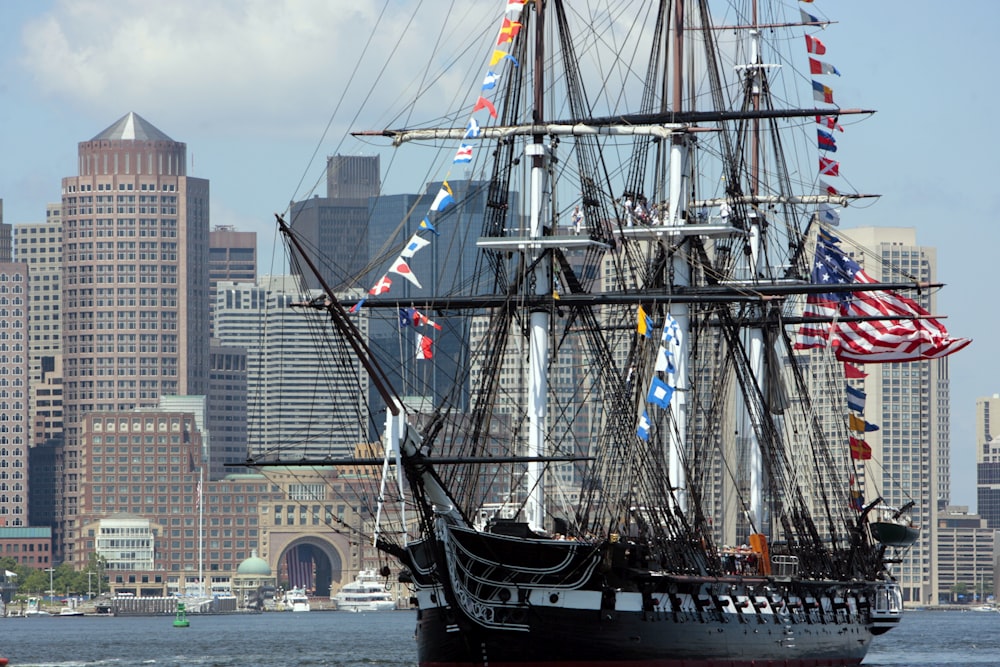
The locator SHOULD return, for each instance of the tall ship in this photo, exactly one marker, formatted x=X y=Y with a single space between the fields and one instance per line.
x=597 y=443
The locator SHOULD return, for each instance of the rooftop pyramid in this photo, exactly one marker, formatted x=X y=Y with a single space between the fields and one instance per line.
x=132 y=127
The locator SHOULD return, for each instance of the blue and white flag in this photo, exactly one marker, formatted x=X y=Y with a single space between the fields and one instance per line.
x=828 y=215
x=671 y=330
x=660 y=393
x=490 y=81
x=664 y=361
x=472 y=130
x=415 y=243
x=444 y=198
x=643 y=429
x=670 y=349
x=855 y=399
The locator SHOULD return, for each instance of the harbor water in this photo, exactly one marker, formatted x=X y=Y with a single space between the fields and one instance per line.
x=341 y=639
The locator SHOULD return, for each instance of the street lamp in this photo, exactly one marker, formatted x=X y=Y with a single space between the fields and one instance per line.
x=89 y=594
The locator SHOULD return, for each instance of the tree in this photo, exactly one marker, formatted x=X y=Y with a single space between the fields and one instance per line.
x=97 y=566
x=959 y=590
x=34 y=582
x=8 y=563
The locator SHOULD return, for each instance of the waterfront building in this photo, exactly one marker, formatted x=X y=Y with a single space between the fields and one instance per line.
x=964 y=558
x=14 y=394
x=988 y=459
x=27 y=545
x=135 y=289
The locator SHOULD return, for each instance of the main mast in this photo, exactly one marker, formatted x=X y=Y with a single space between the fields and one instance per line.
x=680 y=148
x=541 y=279
x=755 y=335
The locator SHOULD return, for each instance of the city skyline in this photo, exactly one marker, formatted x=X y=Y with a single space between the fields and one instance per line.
x=935 y=182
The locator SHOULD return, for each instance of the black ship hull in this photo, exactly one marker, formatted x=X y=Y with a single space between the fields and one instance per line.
x=573 y=604
x=591 y=637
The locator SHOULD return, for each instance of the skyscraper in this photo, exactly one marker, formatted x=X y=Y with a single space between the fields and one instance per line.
x=291 y=413
x=232 y=255
x=13 y=394
x=988 y=459
x=910 y=404
x=135 y=285
x=335 y=227
x=39 y=245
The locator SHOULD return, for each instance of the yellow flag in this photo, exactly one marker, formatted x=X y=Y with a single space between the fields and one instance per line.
x=644 y=324
x=856 y=423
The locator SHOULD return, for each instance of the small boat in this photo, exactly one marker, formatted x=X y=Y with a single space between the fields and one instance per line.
x=296 y=600
x=895 y=533
x=35 y=609
x=893 y=528
x=366 y=593
x=70 y=611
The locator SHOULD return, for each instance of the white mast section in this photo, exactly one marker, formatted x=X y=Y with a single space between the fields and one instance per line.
x=679 y=153
x=677 y=185
x=538 y=341
x=399 y=438
x=754 y=340
x=394 y=426
x=755 y=353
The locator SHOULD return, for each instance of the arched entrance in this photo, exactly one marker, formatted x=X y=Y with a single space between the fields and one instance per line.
x=310 y=563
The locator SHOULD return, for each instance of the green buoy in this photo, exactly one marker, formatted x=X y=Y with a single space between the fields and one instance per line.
x=180 y=618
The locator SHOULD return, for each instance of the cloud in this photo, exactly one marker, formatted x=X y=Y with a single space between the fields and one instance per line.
x=274 y=66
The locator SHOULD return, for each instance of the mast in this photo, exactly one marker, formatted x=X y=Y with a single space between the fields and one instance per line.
x=755 y=335
x=541 y=278
x=678 y=175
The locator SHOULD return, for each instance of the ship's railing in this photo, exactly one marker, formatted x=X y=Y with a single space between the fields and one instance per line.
x=783 y=565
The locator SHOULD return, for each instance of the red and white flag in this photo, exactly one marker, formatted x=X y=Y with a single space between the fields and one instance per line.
x=829 y=167
x=813 y=45
x=382 y=286
x=419 y=319
x=424 y=347
x=830 y=122
x=401 y=268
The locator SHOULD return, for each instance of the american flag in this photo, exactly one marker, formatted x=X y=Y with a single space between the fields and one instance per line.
x=906 y=331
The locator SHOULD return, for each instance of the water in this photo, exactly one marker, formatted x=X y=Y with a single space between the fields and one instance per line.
x=338 y=639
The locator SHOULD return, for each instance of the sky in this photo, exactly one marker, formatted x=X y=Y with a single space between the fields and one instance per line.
x=249 y=86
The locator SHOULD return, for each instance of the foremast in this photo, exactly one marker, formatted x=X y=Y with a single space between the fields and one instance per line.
x=540 y=267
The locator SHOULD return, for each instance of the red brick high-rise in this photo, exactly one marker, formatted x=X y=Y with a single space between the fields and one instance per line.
x=135 y=294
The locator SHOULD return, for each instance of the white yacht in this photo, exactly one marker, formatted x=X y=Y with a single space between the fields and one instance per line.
x=296 y=600
x=365 y=593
